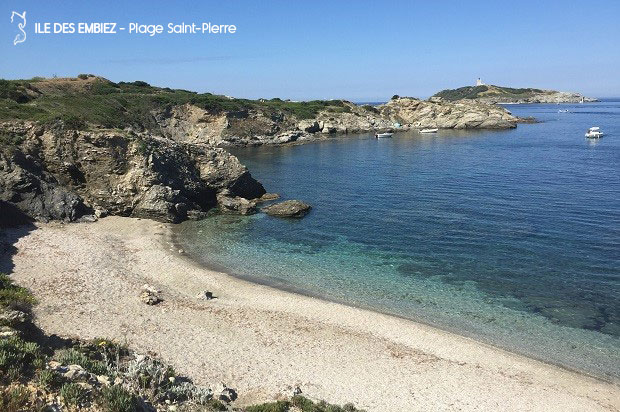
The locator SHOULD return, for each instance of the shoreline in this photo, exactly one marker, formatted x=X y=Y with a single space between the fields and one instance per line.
x=287 y=288
x=263 y=340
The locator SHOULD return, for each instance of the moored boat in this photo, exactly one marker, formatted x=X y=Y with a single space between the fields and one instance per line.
x=594 y=133
x=429 y=130
x=383 y=135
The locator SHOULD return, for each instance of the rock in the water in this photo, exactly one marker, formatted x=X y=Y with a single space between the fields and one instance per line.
x=288 y=208
x=267 y=197
x=235 y=204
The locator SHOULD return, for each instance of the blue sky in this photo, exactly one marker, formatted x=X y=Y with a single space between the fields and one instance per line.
x=362 y=50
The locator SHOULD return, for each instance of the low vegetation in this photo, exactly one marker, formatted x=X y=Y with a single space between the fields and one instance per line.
x=101 y=375
x=97 y=101
x=474 y=92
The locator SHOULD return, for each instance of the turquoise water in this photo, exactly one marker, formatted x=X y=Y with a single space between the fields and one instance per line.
x=511 y=237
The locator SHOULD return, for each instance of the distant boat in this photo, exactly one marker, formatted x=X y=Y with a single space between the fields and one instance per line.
x=594 y=133
x=429 y=130
x=563 y=111
x=383 y=135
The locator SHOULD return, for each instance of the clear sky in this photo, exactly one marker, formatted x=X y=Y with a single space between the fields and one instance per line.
x=359 y=50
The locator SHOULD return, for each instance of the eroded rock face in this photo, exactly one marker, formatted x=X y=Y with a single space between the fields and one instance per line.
x=62 y=175
x=37 y=193
x=288 y=208
x=463 y=114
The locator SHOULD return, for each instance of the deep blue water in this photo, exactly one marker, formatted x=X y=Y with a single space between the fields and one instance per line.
x=512 y=237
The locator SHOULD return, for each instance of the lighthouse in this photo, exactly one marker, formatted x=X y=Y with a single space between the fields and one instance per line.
x=479 y=82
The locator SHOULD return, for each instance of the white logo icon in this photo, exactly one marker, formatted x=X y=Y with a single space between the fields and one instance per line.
x=21 y=37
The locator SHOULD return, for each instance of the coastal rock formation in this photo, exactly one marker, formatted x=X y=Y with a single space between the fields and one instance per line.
x=53 y=173
x=491 y=94
x=188 y=123
x=288 y=208
x=463 y=114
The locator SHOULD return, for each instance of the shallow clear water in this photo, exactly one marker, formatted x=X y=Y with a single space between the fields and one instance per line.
x=512 y=237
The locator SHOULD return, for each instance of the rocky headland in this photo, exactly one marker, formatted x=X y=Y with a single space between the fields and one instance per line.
x=86 y=146
x=490 y=94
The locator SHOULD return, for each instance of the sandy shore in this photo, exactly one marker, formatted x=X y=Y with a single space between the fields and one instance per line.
x=264 y=341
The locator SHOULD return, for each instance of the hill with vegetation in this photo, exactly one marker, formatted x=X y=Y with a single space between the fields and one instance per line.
x=498 y=94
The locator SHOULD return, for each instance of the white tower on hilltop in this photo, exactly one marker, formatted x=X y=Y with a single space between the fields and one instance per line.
x=479 y=82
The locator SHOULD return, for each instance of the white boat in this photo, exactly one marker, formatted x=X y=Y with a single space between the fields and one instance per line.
x=563 y=111
x=594 y=133
x=429 y=130
x=383 y=135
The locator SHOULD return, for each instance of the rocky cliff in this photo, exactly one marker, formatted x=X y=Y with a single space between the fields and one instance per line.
x=55 y=173
x=491 y=94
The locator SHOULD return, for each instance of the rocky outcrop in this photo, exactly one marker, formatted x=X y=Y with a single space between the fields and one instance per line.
x=414 y=113
x=288 y=208
x=60 y=174
x=25 y=184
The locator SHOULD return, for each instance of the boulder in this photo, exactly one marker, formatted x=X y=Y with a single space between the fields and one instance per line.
x=267 y=197
x=288 y=208
x=235 y=204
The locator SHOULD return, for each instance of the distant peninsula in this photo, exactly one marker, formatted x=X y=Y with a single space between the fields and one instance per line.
x=491 y=94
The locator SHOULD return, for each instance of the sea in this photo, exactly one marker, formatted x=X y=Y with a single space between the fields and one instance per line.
x=509 y=237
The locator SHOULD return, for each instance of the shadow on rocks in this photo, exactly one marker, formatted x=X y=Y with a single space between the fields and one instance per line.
x=14 y=224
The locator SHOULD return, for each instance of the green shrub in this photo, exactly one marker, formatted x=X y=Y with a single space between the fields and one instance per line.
x=17 y=358
x=117 y=399
x=48 y=379
x=74 y=357
x=14 y=399
x=13 y=296
x=73 y=394
x=279 y=406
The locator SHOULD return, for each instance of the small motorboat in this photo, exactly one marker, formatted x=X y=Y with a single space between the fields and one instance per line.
x=563 y=111
x=594 y=133
x=383 y=135
x=429 y=130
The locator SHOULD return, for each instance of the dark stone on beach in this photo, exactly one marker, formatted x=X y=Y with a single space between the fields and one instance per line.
x=228 y=395
x=206 y=295
x=288 y=208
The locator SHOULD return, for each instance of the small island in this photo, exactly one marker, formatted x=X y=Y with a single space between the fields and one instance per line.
x=492 y=94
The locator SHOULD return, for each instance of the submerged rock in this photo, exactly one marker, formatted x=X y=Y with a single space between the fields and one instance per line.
x=288 y=208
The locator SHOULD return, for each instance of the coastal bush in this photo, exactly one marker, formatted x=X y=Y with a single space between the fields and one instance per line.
x=73 y=356
x=48 y=379
x=278 y=406
x=117 y=399
x=13 y=296
x=18 y=358
x=73 y=394
x=14 y=399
